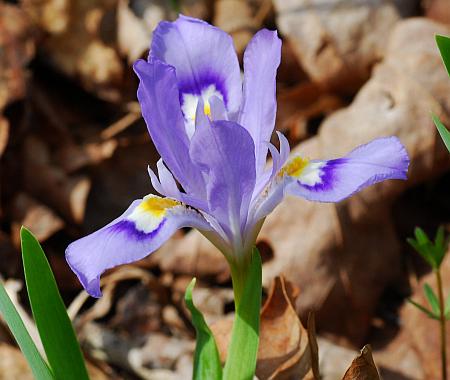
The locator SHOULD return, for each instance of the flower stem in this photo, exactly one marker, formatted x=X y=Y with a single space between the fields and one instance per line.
x=442 y=323
x=238 y=277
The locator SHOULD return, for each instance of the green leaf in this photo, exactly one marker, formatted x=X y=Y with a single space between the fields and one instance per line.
x=38 y=366
x=243 y=349
x=423 y=246
x=440 y=248
x=443 y=44
x=206 y=359
x=444 y=132
x=447 y=307
x=54 y=326
x=423 y=309
x=432 y=299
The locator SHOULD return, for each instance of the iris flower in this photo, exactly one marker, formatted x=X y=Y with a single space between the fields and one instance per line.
x=212 y=129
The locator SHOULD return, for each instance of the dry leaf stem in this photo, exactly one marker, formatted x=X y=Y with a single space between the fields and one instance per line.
x=442 y=323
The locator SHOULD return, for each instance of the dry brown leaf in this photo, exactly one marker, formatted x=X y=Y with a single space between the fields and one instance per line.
x=134 y=32
x=108 y=283
x=235 y=17
x=13 y=364
x=48 y=182
x=78 y=42
x=438 y=10
x=337 y=42
x=363 y=367
x=38 y=218
x=286 y=349
x=16 y=50
x=4 y=134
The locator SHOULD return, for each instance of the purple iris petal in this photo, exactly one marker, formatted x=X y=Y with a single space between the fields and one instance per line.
x=258 y=110
x=379 y=160
x=122 y=242
x=225 y=152
x=158 y=96
x=202 y=55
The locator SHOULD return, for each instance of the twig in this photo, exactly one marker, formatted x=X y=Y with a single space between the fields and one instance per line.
x=442 y=323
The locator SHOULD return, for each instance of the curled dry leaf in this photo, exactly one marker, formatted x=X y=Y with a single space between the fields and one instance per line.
x=13 y=364
x=38 y=218
x=16 y=50
x=77 y=42
x=236 y=18
x=363 y=367
x=108 y=282
x=4 y=134
x=48 y=182
x=286 y=349
x=135 y=22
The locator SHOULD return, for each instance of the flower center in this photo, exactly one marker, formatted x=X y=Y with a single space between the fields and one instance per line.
x=157 y=206
x=295 y=167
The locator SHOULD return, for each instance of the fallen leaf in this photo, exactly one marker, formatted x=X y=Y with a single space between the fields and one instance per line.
x=363 y=367
x=40 y=219
x=4 y=134
x=337 y=42
x=286 y=349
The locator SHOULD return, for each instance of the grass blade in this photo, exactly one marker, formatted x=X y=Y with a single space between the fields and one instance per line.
x=443 y=44
x=444 y=132
x=38 y=366
x=54 y=326
x=206 y=359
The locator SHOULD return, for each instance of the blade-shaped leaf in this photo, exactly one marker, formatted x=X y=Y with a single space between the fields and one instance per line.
x=424 y=249
x=443 y=44
x=432 y=299
x=444 y=132
x=421 y=236
x=9 y=313
x=206 y=359
x=440 y=248
x=54 y=326
x=423 y=309
x=241 y=358
x=447 y=307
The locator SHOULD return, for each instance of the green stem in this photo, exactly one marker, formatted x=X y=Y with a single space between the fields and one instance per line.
x=238 y=277
x=442 y=323
x=242 y=351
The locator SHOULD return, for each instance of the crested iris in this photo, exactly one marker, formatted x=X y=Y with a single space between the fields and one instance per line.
x=213 y=133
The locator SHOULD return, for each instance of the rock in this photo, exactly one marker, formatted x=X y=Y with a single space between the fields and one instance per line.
x=337 y=42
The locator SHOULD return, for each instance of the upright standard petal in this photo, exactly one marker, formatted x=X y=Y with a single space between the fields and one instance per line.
x=205 y=62
x=335 y=180
x=142 y=229
x=158 y=97
x=257 y=115
x=225 y=152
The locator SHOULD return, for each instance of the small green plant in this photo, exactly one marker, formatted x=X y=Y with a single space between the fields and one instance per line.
x=433 y=253
x=443 y=44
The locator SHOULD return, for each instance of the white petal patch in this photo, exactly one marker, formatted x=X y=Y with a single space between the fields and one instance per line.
x=151 y=213
x=312 y=174
x=189 y=106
